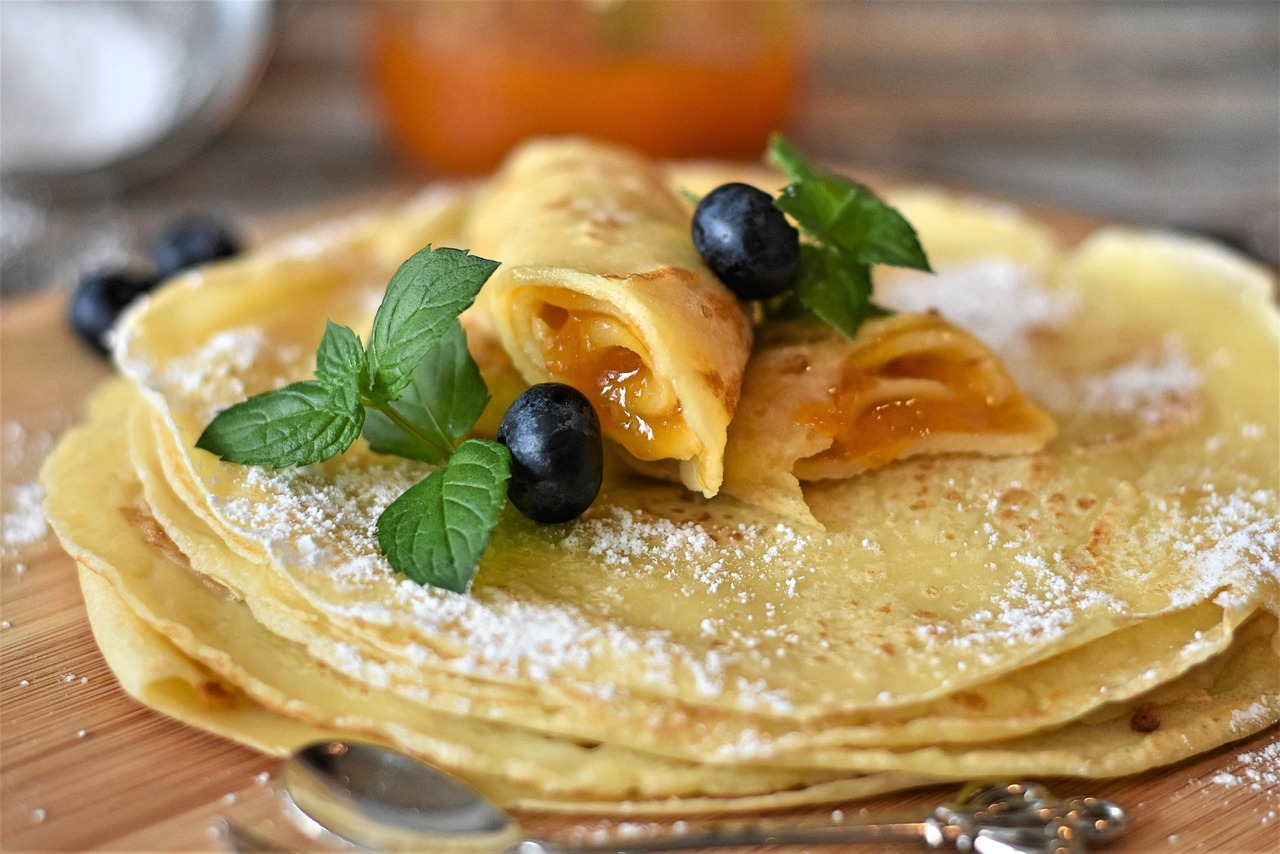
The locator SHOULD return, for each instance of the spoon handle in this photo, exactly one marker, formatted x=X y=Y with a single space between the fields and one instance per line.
x=999 y=818
x=748 y=835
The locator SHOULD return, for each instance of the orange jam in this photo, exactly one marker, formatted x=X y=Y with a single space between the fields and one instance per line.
x=461 y=83
x=877 y=434
x=617 y=381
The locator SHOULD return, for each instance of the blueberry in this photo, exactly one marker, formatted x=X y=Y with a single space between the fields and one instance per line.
x=192 y=242
x=99 y=300
x=746 y=241
x=557 y=459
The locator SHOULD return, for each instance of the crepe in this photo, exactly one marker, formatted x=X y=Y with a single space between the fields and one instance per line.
x=1111 y=669
x=817 y=405
x=960 y=616
x=600 y=287
x=183 y=643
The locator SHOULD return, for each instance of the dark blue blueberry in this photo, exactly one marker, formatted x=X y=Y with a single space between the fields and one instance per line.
x=746 y=241
x=557 y=459
x=99 y=300
x=192 y=242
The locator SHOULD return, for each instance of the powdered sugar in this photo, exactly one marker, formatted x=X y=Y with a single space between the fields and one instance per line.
x=1229 y=543
x=25 y=530
x=1038 y=605
x=1254 y=770
x=1156 y=387
x=692 y=557
x=213 y=376
x=998 y=300
x=621 y=537
x=25 y=524
x=322 y=518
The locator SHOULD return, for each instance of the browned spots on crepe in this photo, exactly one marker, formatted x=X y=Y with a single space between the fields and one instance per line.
x=969 y=700
x=216 y=695
x=725 y=391
x=684 y=274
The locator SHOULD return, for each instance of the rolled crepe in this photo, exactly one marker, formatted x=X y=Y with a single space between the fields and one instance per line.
x=818 y=405
x=601 y=287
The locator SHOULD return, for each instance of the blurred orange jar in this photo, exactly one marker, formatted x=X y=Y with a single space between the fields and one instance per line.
x=462 y=81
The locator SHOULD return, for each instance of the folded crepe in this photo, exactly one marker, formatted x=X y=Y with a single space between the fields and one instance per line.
x=601 y=287
x=817 y=405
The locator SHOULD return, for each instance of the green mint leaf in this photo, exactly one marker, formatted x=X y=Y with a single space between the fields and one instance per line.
x=340 y=364
x=783 y=155
x=837 y=291
x=837 y=212
x=424 y=297
x=443 y=400
x=438 y=530
x=297 y=425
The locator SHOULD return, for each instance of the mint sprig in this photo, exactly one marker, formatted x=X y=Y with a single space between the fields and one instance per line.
x=849 y=229
x=443 y=400
x=411 y=318
x=416 y=392
x=440 y=528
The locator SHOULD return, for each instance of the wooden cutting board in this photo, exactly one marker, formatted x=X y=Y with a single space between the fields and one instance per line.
x=84 y=767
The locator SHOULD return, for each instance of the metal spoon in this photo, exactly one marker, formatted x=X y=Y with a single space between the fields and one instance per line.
x=377 y=797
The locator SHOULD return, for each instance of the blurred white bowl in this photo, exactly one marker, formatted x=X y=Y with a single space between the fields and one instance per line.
x=99 y=94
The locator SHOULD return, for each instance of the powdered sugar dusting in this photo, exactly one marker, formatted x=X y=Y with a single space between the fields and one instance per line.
x=320 y=522
x=621 y=537
x=224 y=370
x=694 y=558
x=321 y=518
x=1254 y=770
x=1229 y=543
x=25 y=524
x=1037 y=605
x=998 y=300
x=1156 y=388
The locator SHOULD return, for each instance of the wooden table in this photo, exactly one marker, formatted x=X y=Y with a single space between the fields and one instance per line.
x=84 y=767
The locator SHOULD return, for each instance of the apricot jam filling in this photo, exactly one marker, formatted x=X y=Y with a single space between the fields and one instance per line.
x=880 y=413
x=597 y=355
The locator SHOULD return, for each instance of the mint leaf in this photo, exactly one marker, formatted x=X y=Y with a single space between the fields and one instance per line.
x=424 y=297
x=845 y=215
x=438 y=530
x=838 y=292
x=443 y=400
x=340 y=363
x=783 y=155
x=297 y=425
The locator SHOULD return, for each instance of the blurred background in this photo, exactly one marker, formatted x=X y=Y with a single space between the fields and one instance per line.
x=118 y=117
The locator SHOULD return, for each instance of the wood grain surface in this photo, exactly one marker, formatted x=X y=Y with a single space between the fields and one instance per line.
x=84 y=767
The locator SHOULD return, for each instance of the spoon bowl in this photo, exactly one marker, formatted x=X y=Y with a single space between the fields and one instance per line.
x=388 y=801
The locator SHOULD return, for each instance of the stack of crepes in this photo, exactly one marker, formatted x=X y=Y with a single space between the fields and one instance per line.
x=1062 y=562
